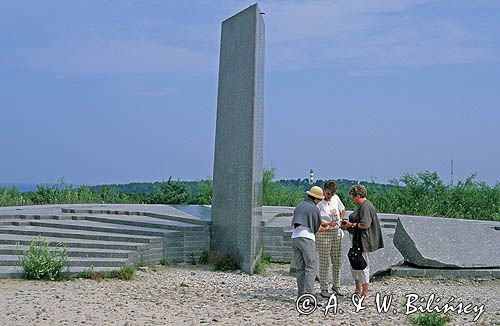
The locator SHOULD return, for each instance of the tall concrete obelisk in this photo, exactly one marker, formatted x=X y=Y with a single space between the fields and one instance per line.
x=237 y=187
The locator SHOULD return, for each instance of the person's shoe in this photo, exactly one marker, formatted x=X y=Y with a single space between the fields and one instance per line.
x=325 y=294
x=339 y=292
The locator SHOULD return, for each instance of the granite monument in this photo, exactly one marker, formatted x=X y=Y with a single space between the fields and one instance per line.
x=237 y=178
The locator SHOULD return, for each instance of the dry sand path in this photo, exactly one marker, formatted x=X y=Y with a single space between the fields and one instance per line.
x=194 y=295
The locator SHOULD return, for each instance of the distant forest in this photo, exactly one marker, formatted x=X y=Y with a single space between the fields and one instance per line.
x=423 y=193
x=147 y=188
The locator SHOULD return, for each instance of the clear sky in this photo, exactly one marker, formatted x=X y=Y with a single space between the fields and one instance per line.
x=122 y=91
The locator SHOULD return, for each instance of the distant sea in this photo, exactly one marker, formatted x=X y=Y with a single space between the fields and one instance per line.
x=23 y=187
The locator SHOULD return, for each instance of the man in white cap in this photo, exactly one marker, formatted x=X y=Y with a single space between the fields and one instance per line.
x=306 y=223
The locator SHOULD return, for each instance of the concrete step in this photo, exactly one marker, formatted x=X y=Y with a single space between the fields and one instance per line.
x=144 y=221
x=73 y=252
x=13 y=260
x=389 y=219
x=409 y=271
x=17 y=272
x=101 y=227
x=21 y=222
x=76 y=234
x=176 y=215
x=13 y=239
x=388 y=225
x=36 y=217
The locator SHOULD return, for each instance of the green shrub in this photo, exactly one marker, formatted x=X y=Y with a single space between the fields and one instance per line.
x=13 y=197
x=205 y=190
x=39 y=262
x=276 y=194
x=426 y=194
x=430 y=319
x=124 y=273
x=171 y=192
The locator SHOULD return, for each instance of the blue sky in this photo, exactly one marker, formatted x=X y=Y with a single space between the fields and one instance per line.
x=121 y=91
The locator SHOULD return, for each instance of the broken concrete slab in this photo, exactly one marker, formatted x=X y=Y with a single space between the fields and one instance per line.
x=439 y=242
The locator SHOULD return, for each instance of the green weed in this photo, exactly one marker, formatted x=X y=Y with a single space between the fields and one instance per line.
x=124 y=273
x=430 y=319
x=39 y=262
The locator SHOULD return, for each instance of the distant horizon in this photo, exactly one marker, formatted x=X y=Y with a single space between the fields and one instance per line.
x=34 y=184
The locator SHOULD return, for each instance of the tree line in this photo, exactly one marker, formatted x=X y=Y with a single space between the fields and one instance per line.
x=423 y=193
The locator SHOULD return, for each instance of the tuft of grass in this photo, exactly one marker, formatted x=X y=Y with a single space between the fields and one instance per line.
x=90 y=273
x=222 y=263
x=430 y=319
x=124 y=273
x=164 y=261
x=204 y=257
x=263 y=263
x=141 y=262
x=184 y=285
x=40 y=263
x=192 y=258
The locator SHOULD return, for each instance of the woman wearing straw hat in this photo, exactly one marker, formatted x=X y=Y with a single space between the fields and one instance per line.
x=306 y=223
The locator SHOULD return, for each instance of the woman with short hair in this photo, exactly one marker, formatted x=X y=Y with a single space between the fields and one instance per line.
x=363 y=223
x=329 y=239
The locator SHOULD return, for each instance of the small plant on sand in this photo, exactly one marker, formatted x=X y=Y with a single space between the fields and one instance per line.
x=430 y=319
x=124 y=273
x=222 y=263
x=39 y=262
x=184 y=285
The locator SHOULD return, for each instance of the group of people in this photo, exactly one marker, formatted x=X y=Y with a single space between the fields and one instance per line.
x=317 y=232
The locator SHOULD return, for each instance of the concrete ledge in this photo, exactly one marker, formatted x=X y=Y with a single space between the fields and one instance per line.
x=407 y=271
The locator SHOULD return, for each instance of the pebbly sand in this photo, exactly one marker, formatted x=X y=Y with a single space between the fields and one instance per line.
x=186 y=294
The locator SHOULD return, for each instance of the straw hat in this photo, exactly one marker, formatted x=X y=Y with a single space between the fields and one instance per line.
x=316 y=192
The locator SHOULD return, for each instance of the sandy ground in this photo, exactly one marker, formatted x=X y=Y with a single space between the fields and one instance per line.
x=186 y=294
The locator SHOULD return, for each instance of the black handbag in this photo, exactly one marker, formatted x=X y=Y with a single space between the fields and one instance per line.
x=355 y=254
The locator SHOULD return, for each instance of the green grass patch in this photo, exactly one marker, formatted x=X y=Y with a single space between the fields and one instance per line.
x=430 y=319
x=124 y=273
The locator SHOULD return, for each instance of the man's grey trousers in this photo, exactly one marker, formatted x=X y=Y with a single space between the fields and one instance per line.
x=306 y=259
